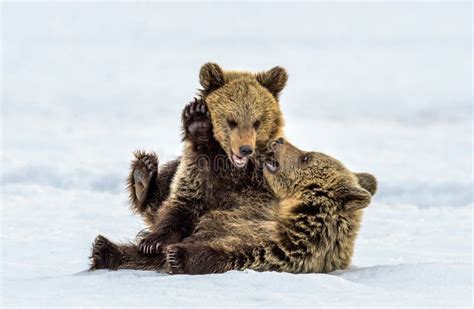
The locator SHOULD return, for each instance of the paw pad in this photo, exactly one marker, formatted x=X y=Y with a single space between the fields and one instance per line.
x=196 y=117
x=145 y=168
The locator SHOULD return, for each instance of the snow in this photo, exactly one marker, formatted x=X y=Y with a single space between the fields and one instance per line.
x=384 y=87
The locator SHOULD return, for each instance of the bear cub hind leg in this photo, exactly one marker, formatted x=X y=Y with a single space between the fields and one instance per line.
x=105 y=254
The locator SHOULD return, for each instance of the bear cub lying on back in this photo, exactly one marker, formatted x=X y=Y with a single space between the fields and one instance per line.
x=312 y=227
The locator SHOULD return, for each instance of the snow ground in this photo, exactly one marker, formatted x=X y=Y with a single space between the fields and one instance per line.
x=386 y=88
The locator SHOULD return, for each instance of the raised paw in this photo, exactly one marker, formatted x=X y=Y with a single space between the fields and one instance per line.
x=104 y=254
x=175 y=256
x=144 y=171
x=196 y=121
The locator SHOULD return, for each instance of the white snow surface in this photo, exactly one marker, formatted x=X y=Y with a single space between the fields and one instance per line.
x=384 y=87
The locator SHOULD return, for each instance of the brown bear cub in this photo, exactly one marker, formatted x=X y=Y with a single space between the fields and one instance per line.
x=225 y=131
x=312 y=228
x=235 y=116
x=245 y=115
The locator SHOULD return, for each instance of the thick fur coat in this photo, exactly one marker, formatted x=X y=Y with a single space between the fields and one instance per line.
x=282 y=210
x=225 y=132
x=312 y=227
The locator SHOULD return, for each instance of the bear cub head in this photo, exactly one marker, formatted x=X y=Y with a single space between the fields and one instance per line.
x=244 y=108
x=320 y=204
x=314 y=178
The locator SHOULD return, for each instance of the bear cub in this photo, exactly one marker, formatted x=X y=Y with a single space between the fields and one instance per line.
x=225 y=131
x=313 y=227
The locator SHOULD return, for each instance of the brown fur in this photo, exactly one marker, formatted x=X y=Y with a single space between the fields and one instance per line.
x=311 y=228
x=224 y=94
x=107 y=255
x=147 y=186
x=243 y=112
x=206 y=178
x=253 y=108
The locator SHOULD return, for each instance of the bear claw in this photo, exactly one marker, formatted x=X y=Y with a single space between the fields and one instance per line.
x=149 y=248
x=174 y=257
x=150 y=245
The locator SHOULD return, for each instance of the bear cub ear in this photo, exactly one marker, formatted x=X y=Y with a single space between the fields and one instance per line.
x=367 y=181
x=274 y=80
x=353 y=197
x=211 y=76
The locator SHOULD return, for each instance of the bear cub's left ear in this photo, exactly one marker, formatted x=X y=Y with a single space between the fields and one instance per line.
x=367 y=181
x=274 y=80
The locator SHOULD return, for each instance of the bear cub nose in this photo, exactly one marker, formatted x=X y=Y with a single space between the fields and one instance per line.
x=245 y=150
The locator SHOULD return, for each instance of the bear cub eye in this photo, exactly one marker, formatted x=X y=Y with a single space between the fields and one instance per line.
x=305 y=159
x=257 y=124
x=232 y=123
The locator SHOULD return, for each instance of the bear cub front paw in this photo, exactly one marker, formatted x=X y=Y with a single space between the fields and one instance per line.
x=196 y=122
x=154 y=242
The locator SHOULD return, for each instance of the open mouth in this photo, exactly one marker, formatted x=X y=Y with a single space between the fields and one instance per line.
x=239 y=161
x=272 y=166
x=270 y=160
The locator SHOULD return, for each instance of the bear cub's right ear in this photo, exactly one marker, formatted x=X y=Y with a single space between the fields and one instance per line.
x=211 y=76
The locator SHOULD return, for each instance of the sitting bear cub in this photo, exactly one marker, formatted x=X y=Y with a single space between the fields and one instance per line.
x=312 y=228
x=225 y=131
x=239 y=114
